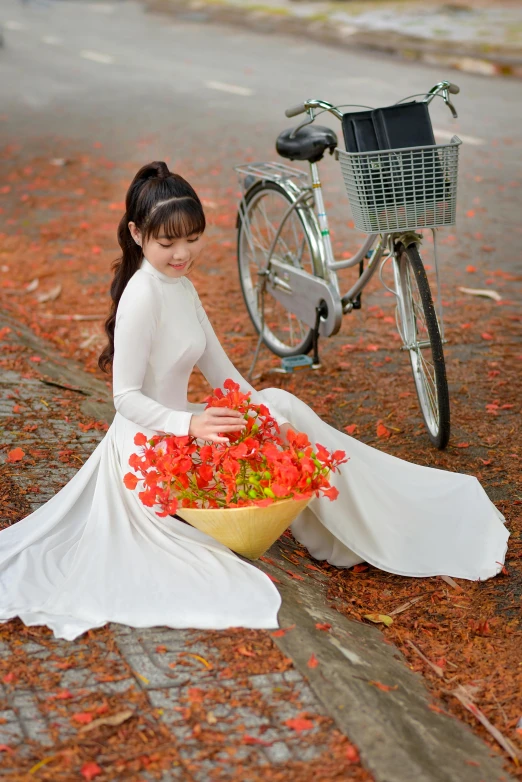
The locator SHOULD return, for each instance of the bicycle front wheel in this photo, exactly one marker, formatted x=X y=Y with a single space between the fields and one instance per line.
x=262 y=212
x=419 y=329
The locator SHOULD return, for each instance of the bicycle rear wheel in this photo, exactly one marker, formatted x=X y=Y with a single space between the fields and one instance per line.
x=263 y=209
x=419 y=329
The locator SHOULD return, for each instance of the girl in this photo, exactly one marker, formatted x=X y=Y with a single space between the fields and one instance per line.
x=94 y=553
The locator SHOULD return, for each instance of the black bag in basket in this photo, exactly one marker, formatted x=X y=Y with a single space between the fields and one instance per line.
x=404 y=178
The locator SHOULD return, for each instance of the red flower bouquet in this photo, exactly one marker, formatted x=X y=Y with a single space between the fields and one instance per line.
x=254 y=470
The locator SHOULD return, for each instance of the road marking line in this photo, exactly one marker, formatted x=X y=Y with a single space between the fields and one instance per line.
x=101 y=8
x=14 y=26
x=105 y=59
x=52 y=40
x=478 y=142
x=232 y=88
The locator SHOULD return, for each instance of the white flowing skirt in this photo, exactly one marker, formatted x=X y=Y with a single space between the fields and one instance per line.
x=94 y=553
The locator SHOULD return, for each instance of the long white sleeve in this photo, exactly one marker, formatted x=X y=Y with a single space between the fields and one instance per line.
x=217 y=367
x=136 y=323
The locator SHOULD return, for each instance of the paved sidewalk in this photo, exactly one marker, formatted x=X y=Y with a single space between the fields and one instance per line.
x=472 y=37
x=305 y=703
x=121 y=703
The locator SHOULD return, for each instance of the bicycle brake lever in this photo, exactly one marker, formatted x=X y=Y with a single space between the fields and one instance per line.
x=449 y=104
x=452 y=109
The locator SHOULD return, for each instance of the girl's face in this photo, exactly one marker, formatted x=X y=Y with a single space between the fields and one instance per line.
x=173 y=257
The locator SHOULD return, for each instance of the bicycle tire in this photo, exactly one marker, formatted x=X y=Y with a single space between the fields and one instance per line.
x=431 y=386
x=273 y=341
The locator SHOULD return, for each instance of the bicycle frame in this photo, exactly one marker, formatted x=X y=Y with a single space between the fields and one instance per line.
x=324 y=263
x=288 y=284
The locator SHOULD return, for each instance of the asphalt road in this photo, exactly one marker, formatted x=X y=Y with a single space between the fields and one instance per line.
x=111 y=72
x=75 y=76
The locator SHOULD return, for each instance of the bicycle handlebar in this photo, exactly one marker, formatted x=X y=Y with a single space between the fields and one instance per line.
x=445 y=88
x=295 y=110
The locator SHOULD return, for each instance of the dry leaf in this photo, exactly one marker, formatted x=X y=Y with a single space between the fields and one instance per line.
x=282 y=631
x=40 y=763
x=382 y=431
x=113 y=720
x=465 y=696
x=323 y=626
x=51 y=294
x=32 y=286
x=88 y=342
x=83 y=717
x=451 y=582
x=383 y=687
x=15 y=455
x=482 y=292
x=299 y=723
x=201 y=660
x=379 y=618
x=62 y=695
x=90 y=770
x=438 y=670
x=407 y=605
x=352 y=754
x=313 y=662
x=211 y=718
x=245 y=652
x=247 y=739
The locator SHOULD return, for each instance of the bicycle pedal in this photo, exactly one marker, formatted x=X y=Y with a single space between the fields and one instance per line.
x=296 y=363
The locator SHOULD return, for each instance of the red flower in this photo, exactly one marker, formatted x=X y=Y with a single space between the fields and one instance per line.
x=332 y=493
x=254 y=468
x=205 y=472
x=134 y=461
x=147 y=498
x=130 y=481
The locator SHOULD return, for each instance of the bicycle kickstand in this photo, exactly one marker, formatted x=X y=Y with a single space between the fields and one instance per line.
x=316 y=361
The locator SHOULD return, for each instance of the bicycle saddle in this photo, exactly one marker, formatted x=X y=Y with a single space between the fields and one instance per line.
x=309 y=143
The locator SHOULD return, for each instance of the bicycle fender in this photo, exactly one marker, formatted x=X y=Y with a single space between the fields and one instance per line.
x=300 y=293
x=407 y=238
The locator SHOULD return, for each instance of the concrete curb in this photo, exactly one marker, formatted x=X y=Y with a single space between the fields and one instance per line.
x=461 y=55
x=399 y=735
x=400 y=738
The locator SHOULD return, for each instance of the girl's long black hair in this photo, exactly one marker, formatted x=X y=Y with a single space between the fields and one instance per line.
x=157 y=200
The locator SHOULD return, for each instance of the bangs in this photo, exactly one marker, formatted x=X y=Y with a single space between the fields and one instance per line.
x=177 y=219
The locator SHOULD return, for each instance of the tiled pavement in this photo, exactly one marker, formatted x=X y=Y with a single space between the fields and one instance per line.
x=242 y=720
x=216 y=719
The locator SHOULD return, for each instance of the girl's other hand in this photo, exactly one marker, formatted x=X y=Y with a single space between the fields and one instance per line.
x=283 y=429
x=208 y=425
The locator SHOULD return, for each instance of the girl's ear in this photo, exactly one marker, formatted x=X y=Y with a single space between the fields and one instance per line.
x=135 y=233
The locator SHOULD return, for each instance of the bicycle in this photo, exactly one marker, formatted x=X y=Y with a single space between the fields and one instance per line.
x=286 y=263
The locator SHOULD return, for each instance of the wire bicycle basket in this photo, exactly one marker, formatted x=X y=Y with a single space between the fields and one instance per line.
x=402 y=189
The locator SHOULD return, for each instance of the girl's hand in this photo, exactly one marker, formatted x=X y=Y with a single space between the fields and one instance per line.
x=283 y=429
x=208 y=425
